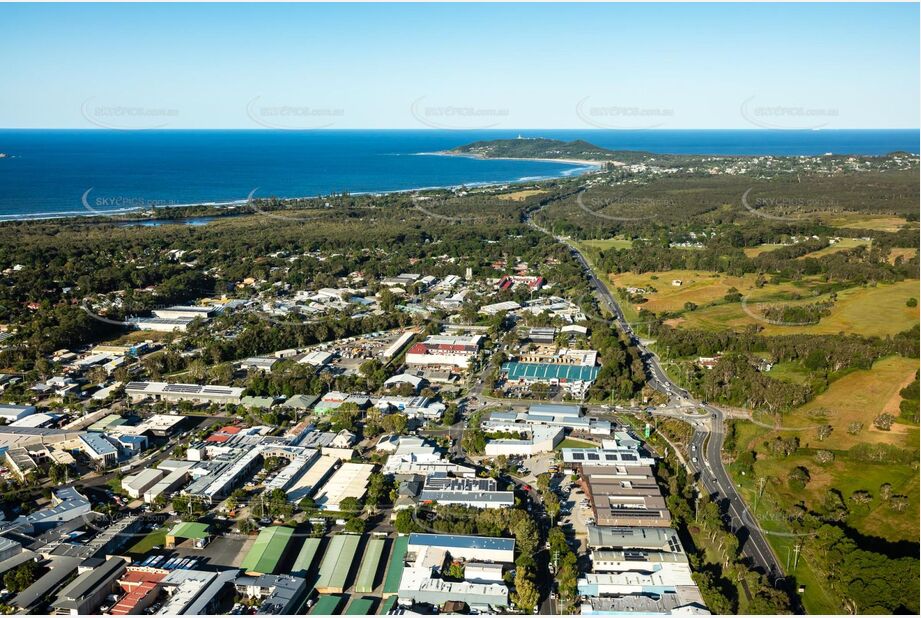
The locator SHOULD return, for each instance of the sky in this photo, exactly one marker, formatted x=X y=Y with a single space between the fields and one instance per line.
x=313 y=66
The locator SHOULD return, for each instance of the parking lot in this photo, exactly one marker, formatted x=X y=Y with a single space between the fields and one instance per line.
x=578 y=513
x=225 y=551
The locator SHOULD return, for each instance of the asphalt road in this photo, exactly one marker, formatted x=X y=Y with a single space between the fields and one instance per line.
x=708 y=437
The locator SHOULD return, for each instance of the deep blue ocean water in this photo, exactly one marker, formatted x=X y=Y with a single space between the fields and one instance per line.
x=55 y=172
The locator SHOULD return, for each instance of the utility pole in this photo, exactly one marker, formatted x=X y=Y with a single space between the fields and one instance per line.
x=796 y=550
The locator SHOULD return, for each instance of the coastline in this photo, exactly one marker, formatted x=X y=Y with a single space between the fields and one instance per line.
x=472 y=155
x=123 y=215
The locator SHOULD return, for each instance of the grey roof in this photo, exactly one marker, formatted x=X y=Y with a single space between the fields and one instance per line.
x=554 y=409
x=99 y=444
x=285 y=589
x=198 y=606
x=14 y=561
x=61 y=568
x=665 y=539
x=73 y=595
x=69 y=504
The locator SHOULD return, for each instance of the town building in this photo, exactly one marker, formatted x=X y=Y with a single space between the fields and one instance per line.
x=197 y=393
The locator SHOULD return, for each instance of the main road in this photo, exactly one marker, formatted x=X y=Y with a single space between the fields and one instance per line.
x=707 y=442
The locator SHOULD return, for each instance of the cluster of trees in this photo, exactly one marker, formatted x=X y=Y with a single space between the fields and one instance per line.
x=622 y=374
x=798 y=314
x=514 y=522
x=666 y=208
x=867 y=582
x=736 y=379
x=130 y=269
x=910 y=406
x=720 y=572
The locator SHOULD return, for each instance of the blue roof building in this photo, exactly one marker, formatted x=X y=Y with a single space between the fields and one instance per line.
x=480 y=548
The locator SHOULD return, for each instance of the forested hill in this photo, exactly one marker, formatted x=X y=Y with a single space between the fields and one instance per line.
x=543 y=148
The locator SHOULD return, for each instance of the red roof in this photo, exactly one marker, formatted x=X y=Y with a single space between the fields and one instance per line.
x=134 y=576
x=127 y=604
x=419 y=348
x=231 y=429
x=219 y=438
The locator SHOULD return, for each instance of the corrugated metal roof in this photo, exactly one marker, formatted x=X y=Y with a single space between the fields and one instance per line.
x=337 y=561
x=455 y=540
x=395 y=568
x=326 y=605
x=547 y=371
x=189 y=530
x=367 y=572
x=387 y=605
x=359 y=607
x=268 y=549
x=306 y=556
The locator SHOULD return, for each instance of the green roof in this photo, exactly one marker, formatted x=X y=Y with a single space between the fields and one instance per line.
x=306 y=555
x=387 y=605
x=325 y=605
x=112 y=420
x=395 y=569
x=267 y=551
x=548 y=371
x=337 y=561
x=359 y=607
x=368 y=571
x=189 y=530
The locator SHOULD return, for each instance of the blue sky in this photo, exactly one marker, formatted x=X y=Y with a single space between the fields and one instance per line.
x=460 y=66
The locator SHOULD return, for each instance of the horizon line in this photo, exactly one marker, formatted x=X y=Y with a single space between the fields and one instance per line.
x=459 y=131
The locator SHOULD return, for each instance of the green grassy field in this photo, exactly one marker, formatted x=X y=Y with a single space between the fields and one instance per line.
x=857 y=221
x=794 y=373
x=857 y=396
x=609 y=243
x=870 y=311
x=574 y=443
x=841 y=245
x=763 y=248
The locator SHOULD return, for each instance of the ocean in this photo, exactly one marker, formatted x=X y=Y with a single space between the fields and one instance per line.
x=49 y=173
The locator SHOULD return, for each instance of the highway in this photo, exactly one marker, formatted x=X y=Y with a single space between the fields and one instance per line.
x=707 y=442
